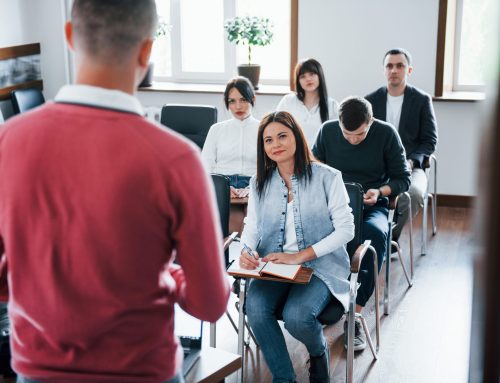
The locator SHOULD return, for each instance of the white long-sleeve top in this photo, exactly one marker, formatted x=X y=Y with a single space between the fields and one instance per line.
x=231 y=147
x=308 y=119
x=340 y=215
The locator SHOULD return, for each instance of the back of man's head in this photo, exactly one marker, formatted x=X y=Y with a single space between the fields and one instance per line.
x=110 y=30
x=354 y=111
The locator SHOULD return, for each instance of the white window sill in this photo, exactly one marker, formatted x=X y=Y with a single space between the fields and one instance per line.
x=460 y=96
x=209 y=88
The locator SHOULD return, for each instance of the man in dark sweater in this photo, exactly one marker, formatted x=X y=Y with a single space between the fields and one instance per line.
x=410 y=111
x=370 y=152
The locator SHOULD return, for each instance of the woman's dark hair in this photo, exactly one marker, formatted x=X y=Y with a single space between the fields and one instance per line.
x=313 y=66
x=303 y=156
x=243 y=85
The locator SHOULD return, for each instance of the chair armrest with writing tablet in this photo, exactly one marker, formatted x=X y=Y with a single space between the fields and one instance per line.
x=358 y=256
x=228 y=240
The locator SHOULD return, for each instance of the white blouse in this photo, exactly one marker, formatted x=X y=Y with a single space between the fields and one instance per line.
x=308 y=119
x=231 y=147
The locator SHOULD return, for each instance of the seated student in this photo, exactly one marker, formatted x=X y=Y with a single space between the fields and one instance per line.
x=310 y=104
x=230 y=147
x=298 y=213
x=410 y=111
x=370 y=152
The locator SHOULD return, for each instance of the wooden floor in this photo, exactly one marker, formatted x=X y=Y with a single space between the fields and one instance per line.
x=426 y=336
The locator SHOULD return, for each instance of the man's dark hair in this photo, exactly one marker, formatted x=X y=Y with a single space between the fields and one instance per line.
x=398 y=51
x=354 y=111
x=313 y=66
x=302 y=158
x=244 y=87
x=109 y=29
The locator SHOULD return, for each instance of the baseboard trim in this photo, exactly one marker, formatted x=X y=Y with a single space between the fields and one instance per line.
x=450 y=200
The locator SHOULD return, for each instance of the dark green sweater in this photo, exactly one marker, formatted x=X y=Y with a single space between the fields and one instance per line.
x=378 y=160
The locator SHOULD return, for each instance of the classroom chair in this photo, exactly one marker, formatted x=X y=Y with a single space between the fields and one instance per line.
x=192 y=121
x=25 y=99
x=429 y=165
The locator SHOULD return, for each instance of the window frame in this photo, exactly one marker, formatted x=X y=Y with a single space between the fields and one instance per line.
x=179 y=76
x=448 y=51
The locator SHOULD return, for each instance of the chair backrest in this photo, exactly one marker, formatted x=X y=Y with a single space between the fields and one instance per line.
x=25 y=99
x=355 y=193
x=192 y=121
x=223 y=196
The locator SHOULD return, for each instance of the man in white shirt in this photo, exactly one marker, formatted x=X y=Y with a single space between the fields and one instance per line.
x=410 y=111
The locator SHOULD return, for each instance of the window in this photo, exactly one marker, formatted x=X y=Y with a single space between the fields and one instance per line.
x=464 y=48
x=196 y=49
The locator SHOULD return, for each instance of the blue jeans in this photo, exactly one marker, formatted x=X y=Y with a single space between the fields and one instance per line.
x=238 y=181
x=376 y=229
x=178 y=378
x=299 y=305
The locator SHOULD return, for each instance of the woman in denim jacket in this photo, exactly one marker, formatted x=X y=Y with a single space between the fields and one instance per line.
x=298 y=213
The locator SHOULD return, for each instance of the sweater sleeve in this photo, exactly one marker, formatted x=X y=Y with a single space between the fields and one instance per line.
x=209 y=152
x=398 y=170
x=341 y=217
x=4 y=288
x=318 y=149
x=198 y=241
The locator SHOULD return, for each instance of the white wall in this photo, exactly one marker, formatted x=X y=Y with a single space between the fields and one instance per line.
x=35 y=21
x=348 y=37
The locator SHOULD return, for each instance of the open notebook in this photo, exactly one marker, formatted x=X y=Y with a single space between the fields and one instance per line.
x=266 y=268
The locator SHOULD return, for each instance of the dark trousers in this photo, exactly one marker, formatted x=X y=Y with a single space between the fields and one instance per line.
x=376 y=229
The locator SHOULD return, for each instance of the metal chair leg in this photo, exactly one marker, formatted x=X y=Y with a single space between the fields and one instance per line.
x=368 y=337
x=241 y=328
x=387 y=284
x=377 y=298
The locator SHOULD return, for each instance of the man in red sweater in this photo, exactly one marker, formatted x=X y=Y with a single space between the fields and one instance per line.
x=95 y=204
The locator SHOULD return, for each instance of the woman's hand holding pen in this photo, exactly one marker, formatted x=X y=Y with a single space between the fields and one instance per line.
x=249 y=259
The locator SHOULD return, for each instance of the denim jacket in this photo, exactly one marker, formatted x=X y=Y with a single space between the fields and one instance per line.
x=312 y=223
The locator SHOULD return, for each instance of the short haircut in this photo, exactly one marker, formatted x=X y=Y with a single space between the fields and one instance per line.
x=354 y=111
x=303 y=156
x=398 y=51
x=243 y=85
x=313 y=66
x=108 y=30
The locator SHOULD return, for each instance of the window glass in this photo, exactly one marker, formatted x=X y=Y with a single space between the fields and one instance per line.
x=202 y=35
x=274 y=59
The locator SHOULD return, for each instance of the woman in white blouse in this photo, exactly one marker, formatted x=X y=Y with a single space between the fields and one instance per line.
x=310 y=104
x=231 y=145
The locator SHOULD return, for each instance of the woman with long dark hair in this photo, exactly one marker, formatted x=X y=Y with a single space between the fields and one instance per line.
x=230 y=147
x=298 y=213
x=310 y=103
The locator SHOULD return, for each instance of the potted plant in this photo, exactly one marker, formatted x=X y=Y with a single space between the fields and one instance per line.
x=249 y=30
x=162 y=30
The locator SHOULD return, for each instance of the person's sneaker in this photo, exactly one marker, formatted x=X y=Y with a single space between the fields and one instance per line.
x=394 y=251
x=319 y=367
x=359 y=336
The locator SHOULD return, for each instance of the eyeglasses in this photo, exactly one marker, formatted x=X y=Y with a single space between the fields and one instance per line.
x=232 y=101
x=398 y=66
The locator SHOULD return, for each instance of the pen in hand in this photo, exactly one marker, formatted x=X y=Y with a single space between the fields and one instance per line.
x=251 y=260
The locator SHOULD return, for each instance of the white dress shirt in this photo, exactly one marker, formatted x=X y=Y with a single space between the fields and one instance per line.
x=308 y=119
x=231 y=147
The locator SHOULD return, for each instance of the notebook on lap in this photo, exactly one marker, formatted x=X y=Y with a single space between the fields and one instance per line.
x=189 y=330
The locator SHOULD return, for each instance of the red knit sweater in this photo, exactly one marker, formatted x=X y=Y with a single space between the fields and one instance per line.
x=94 y=205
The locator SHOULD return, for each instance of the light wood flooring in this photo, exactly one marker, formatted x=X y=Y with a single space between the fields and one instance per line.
x=425 y=338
